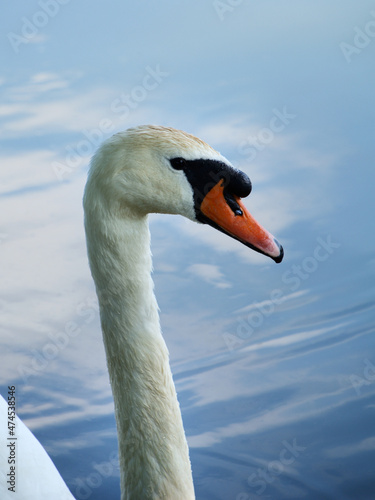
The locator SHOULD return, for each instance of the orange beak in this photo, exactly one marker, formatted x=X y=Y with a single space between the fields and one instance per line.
x=241 y=226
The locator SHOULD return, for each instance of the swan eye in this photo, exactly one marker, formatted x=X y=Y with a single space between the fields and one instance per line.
x=178 y=163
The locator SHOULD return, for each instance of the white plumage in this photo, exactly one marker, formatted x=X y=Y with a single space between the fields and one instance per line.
x=36 y=476
x=143 y=170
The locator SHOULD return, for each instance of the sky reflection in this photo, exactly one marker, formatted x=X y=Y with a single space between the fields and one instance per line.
x=262 y=354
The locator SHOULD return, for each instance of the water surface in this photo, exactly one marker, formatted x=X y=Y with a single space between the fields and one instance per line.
x=274 y=364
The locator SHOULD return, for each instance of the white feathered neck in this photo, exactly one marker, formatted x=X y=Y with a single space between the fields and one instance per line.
x=131 y=176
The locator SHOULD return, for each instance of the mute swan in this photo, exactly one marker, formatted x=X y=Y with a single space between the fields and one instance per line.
x=36 y=476
x=142 y=170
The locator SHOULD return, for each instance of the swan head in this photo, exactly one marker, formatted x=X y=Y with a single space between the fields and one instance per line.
x=154 y=169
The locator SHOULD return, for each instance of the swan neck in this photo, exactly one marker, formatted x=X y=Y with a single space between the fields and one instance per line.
x=154 y=457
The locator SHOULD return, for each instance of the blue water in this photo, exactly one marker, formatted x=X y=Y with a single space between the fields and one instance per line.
x=274 y=364
x=274 y=368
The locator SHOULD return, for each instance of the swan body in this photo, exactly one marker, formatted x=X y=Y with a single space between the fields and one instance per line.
x=36 y=476
x=143 y=170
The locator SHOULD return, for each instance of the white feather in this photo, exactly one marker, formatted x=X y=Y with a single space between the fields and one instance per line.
x=36 y=476
x=130 y=176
